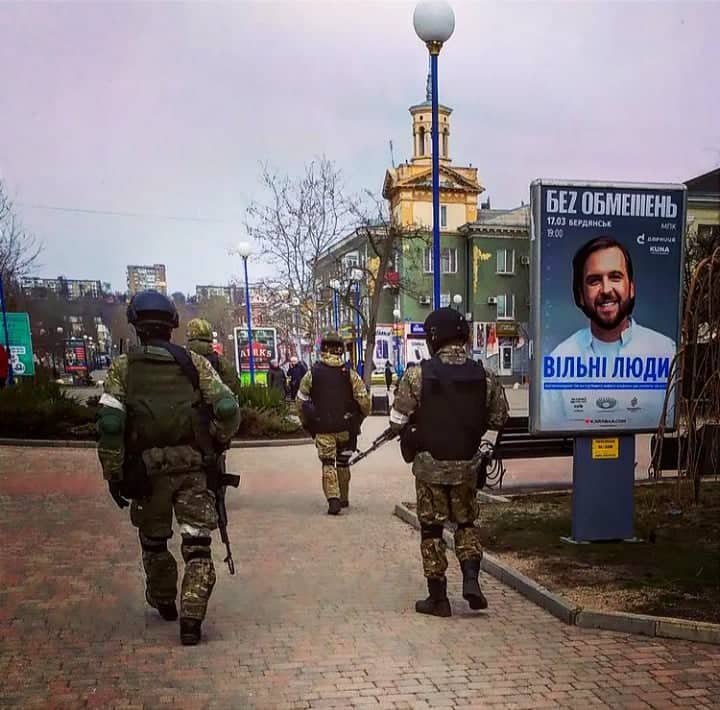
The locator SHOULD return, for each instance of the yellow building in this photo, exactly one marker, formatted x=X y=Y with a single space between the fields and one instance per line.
x=408 y=187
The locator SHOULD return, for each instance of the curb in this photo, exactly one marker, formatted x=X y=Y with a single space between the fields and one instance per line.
x=573 y=615
x=87 y=444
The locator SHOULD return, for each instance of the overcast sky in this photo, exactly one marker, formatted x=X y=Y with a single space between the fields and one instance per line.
x=168 y=109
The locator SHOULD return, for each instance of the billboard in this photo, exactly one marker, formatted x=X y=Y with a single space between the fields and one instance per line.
x=75 y=355
x=416 y=348
x=20 y=352
x=606 y=301
x=265 y=349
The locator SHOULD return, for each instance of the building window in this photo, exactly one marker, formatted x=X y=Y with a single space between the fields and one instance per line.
x=505 y=261
x=445 y=144
x=444 y=300
x=427 y=261
x=422 y=141
x=448 y=261
x=506 y=306
x=443 y=215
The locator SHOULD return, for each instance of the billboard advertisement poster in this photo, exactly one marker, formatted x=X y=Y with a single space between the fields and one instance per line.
x=416 y=348
x=19 y=349
x=479 y=338
x=606 y=302
x=75 y=355
x=265 y=349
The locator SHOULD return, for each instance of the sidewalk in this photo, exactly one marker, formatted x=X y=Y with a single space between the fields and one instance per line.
x=320 y=613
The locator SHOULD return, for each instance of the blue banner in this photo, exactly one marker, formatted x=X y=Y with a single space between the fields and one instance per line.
x=607 y=269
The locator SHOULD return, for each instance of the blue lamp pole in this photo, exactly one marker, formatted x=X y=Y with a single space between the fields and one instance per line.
x=335 y=285
x=245 y=250
x=357 y=322
x=5 y=328
x=434 y=23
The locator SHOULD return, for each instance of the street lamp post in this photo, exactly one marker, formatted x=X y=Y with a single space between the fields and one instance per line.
x=396 y=340
x=5 y=329
x=245 y=250
x=457 y=300
x=434 y=23
x=335 y=286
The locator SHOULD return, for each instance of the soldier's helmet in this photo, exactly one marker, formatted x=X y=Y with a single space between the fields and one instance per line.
x=199 y=329
x=445 y=325
x=332 y=342
x=152 y=308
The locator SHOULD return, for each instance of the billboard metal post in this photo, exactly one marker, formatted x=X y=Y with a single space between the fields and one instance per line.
x=606 y=304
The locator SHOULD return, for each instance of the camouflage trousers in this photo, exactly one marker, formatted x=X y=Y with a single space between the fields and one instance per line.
x=333 y=452
x=187 y=496
x=436 y=505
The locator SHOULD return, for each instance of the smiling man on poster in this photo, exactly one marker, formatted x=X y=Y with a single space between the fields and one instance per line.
x=611 y=347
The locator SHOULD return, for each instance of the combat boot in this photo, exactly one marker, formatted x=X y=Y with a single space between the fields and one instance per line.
x=344 y=503
x=334 y=506
x=190 y=631
x=437 y=603
x=471 y=587
x=167 y=610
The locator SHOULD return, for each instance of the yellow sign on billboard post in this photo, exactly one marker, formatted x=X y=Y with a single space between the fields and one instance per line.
x=606 y=448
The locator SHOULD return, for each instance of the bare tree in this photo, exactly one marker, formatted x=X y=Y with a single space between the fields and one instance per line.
x=299 y=218
x=385 y=240
x=18 y=249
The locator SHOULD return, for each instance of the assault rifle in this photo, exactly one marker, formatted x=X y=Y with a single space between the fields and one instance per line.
x=387 y=435
x=218 y=481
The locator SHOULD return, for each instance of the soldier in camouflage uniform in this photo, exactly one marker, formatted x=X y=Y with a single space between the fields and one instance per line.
x=442 y=410
x=199 y=334
x=149 y=447
x=334 y=401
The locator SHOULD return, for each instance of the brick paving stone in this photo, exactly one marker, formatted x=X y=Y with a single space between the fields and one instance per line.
x=319 y=614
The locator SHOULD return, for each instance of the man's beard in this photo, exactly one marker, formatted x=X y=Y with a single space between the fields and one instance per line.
x=625 y=308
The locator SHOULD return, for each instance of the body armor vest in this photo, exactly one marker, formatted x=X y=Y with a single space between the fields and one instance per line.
x=452 y=416
x=332 y=396
x=160 y=403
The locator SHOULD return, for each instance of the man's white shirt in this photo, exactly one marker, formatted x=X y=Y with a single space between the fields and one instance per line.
x=632 y=404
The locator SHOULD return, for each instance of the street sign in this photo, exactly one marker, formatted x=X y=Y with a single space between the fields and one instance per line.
x=20 y=349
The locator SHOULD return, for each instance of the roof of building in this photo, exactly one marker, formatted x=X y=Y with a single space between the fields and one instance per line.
x=516 y=219
x=707 y=184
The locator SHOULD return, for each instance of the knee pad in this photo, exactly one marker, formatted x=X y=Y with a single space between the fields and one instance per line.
x=327 y=461
x=196 y=548
x=153 y=544
x=465 y=526
x=431 y=532
x=343 y=459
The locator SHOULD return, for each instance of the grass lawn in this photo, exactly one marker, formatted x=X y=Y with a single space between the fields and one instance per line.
x=674 y=572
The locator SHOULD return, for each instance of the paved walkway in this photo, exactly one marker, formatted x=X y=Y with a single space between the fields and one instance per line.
x=320 y=613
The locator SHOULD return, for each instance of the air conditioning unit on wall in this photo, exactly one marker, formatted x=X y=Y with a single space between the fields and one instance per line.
x=424 y=300
x=525 y=260
x=492 y=300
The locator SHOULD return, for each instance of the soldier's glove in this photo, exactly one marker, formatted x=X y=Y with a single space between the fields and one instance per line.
x=114 y=487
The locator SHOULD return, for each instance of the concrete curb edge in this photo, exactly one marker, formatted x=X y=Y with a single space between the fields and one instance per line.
x=573 y=615
x=87 y=444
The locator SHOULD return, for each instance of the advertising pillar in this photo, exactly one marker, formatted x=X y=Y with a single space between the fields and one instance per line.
x=606 y=304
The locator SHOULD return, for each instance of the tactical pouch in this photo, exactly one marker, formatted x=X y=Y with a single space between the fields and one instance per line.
x=309 y=417
x=171 y=460
x=409 y=443
x=136 y=483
